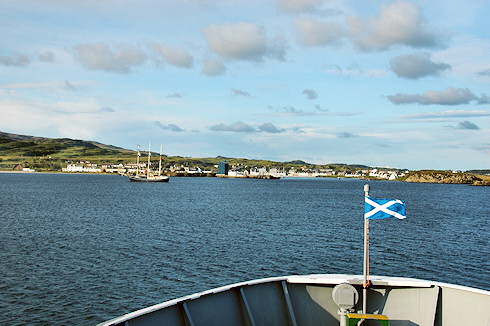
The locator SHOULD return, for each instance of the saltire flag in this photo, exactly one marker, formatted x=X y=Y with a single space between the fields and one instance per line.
x=383 y=208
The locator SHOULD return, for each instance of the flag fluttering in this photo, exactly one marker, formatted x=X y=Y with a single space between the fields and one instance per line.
x=383 y=208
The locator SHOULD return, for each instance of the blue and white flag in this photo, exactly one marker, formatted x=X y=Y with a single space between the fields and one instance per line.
x=384 y=208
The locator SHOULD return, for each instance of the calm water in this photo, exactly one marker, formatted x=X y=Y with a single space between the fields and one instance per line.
x=81 y=249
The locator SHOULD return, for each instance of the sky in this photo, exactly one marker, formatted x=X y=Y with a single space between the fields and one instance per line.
x=401 y=84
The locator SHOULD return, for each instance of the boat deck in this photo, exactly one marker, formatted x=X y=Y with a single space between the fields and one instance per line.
x=307 y=300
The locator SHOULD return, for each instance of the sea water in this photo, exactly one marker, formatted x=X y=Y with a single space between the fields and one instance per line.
x=82 y=249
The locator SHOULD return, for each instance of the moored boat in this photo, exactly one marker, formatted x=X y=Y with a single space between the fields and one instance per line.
x=149 y=177
x=143 y=178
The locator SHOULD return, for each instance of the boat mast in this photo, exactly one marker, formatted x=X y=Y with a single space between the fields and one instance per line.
x=149 y=153
x=138 y=161
x=160 y=161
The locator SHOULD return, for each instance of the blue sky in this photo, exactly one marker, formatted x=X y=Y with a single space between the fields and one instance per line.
x=383 y=83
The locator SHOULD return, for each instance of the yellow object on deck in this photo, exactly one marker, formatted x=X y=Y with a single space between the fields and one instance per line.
x=353 y=319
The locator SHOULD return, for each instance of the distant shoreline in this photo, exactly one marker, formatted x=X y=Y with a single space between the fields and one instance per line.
x=480 y=180
x=54 y=172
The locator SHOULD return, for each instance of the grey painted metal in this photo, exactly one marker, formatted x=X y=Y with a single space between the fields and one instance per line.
x=417 y=305
x=456 y=307
x=188 y=314
x=267 y=304
x=309 y=300
x=292 y=318
x=247 y=307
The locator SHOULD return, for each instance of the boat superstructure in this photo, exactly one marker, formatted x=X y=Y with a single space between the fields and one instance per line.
x=308 y=300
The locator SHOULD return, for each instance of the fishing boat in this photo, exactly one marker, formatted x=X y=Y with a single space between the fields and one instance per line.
x=149 y=177
x=325 y=299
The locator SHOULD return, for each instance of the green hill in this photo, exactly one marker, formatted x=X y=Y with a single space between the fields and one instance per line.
x=51 y=154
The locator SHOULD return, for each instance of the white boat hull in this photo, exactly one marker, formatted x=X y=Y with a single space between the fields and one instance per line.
x=148 y=179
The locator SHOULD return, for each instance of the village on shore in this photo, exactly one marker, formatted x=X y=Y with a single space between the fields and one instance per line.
x=232 y=170
x=238 y=170
x=25 y=154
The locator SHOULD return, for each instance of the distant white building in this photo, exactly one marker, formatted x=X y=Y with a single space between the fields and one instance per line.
x=192 y=170
x=373 y=173
x=258 y=172
x=82 y=168
x=237 y=174
x=352 y=175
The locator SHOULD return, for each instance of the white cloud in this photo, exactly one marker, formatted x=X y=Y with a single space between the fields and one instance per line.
x=400 y=23
x=69 y=86
x=354 y=69
x=173 y=56
x=15 y=60
x=270 y=128
x=80 y=120
x=484 y=99
x=106 y=109
x=299 y=6
x=8 y=91
x=46 y=56
x=467 y=125
x=484 y=73
x=240 y=92
x=467 y=56
x=121 y=58
x=451 y=96
x=243 y=41
x=241 y=127
x=170 y=126
x=417 y=65
x=213 y=67
x=291 y=111
x=313 y=32
x=346 y=135
x=310 y=94
x=448 y=114
x=238 y=126
x=50 y=85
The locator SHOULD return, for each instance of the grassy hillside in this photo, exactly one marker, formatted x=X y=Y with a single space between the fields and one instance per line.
x=51 y=154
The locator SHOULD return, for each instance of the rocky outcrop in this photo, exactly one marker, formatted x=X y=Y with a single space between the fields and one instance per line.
x=481 y=183
x=443 y=177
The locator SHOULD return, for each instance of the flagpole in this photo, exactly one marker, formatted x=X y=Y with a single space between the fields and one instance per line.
x=366 y=257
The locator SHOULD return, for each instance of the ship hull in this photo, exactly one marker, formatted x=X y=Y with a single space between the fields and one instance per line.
x=150 y=179
x=307 y=300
